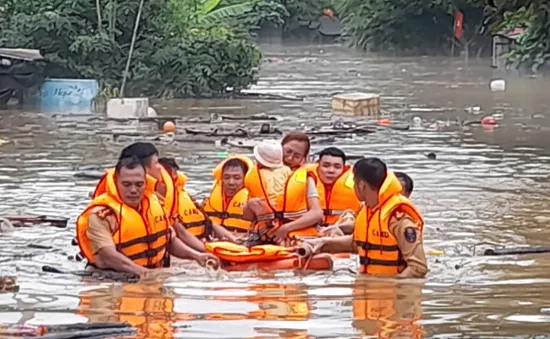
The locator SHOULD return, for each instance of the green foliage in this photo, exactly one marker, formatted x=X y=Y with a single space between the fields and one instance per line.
x=183 y=58
x=207 y=62
x=532 y=49
x=260 y=13
x=416 y=26
x=304 y=13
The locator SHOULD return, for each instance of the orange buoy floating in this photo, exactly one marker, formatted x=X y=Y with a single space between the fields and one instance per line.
x=384 y=122
x=328 y=12
x=169 y=127
x=488 y=121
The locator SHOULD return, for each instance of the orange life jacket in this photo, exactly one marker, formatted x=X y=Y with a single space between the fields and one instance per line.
x=217 y=171
x=181 y=181
x=142 y=236
x=337 y=198
x=190 y=216
x=231 y=252
x=377 y=247
x=289 y=206
x=107 y=184
x=171 y=195
x=228 y=215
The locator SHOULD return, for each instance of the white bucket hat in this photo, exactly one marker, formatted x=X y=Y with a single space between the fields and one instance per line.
x=269 y=153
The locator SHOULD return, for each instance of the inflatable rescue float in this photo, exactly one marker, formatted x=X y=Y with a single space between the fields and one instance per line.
x=265 y=257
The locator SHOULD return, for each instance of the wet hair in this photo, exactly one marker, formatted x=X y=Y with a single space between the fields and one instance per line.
x=297 y=136
x=131 y=162
x=371 y=170
x=333 y=152
x=142 y=150
x=407 y=182
x=169 y=163
x=235 y=163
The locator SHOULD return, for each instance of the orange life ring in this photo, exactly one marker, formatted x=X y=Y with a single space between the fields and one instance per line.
x=234 y=253
x=319 y=262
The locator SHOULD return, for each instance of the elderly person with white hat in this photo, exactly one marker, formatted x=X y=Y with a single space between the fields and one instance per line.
x=269 y=158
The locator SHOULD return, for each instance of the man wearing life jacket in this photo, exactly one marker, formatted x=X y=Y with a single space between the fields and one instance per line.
x=388 y=229
x=406 y=182
x=159 y=182
x=127 y=230
x=170 y=164
x=225 y=204
x=158 y=179
x=297 y=211
x=336 y=193
x=192 y=223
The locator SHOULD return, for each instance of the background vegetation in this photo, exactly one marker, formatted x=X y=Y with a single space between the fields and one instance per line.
x=206 y=47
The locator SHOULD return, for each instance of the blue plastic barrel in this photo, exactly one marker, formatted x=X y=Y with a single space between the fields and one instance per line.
x=68 y=95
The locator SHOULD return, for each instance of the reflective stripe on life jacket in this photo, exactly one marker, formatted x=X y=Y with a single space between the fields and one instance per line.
x=337 y=198
x=190 y=215
x=228 y=215
x=289 y=206
x=377 y=247
x=141 y=236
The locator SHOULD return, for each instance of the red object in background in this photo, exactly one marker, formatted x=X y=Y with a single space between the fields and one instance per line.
x=329 y=13
x=488 y=121
x=458 y=27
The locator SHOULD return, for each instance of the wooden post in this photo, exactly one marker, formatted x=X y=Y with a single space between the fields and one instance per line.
x=134 y=36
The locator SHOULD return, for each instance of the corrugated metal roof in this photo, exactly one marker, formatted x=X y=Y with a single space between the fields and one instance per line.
x=21 y=54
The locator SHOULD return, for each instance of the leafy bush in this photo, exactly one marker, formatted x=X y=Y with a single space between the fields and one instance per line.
x=532 y=48
x=416 y=26
x=173 y=58
x=205 y=63
x=304 y=13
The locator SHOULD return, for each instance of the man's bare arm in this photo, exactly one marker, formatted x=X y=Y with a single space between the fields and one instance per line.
x=223 y=233
x=187 y=238
x=109 y=257
x=178 y=248
x=342 y=244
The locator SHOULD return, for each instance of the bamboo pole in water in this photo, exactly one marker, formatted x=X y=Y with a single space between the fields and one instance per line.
x=134 y=36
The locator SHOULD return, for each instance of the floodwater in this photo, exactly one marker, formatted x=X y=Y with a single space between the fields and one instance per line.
x=486 y=185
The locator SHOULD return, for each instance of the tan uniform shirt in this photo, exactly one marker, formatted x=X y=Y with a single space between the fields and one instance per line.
x=102 y=224
x=409 y=239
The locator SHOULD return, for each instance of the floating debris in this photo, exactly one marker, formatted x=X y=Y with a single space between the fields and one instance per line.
x=69 y=331
x=94 y=175
x=28 y=220
x=8 y=284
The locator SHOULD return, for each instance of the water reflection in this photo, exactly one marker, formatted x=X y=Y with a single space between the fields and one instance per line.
x=156 y=310
x=483 y=186
x=387 y=309
x=149 y=308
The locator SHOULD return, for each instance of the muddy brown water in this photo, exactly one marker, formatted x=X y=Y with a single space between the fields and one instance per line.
x=484 y=186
